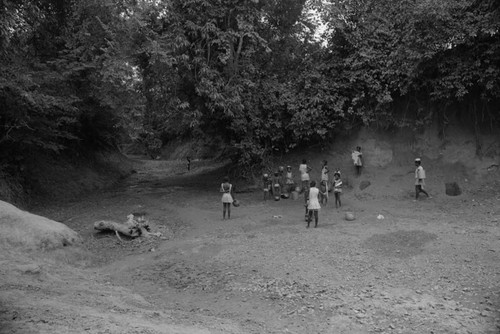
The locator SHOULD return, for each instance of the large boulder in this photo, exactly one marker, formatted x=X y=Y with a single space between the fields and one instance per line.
x=452 y=189
x=31 y=232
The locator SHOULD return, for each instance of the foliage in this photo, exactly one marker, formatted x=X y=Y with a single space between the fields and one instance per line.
x=259 y=76
x=441 y=51
x=65 y=78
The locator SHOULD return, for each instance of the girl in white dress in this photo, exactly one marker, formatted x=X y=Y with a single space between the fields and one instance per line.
x=313 y=204
x=227 y=198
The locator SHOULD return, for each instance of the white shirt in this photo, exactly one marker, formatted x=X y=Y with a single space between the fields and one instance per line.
x=356 y=158
x=304 y=176
x=324 y=173
x=419 y=175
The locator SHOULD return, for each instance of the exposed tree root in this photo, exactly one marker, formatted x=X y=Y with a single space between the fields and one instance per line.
x=135 y=226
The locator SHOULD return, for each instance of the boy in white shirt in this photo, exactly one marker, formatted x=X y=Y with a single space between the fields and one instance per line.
x=419 y=179
x=357 y=158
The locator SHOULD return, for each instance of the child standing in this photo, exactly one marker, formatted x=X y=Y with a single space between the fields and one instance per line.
x=289 y=182
x=304 y=177
x=357 y=158
x=323 y=192
x=227 y=198
x=313 y=205
x=324 y=176
x=266 y=185
x=276 y=186
x=337 y=188
x=419 y=179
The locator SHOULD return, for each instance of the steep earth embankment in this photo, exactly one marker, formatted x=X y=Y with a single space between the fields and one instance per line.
x=400 y=267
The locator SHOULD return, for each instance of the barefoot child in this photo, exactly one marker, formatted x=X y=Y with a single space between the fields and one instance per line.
x=323 y=192
x=304 y=174
x=304 y=177
x=357 y=158
x=324 y=179
x=276 y=186
x=227 y=198
x=289 y=182
x=337 y=188
x=266 y=185
x=419 y=179
x=313 y=204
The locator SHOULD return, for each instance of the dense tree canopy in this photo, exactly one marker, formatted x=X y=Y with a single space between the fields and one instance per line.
x=259 y=76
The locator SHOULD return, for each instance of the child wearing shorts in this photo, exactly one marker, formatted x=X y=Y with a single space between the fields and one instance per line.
x=337 y=188
x=227 y=198
x=289 y=182
x=266 y=186
x=276 y=185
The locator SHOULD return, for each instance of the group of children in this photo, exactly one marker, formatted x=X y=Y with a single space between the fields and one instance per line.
x=282 y=185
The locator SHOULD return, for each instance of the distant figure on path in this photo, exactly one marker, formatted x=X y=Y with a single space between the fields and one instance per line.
x=188 y=158
x=227 y=198
x=357 y=158
x=337 y=188
x=419 y=179
x=313 y=205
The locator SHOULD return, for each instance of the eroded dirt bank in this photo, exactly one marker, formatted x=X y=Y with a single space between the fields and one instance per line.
x=428 y=267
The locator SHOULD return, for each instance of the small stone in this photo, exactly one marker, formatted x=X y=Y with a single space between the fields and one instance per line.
x=32 y=269
x=364 y=184
x=452 y=189
x=349 y=216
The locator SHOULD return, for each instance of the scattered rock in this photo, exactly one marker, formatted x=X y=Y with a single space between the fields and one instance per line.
x=493 y=168
x=452 y=189
x=32 y=269
x=349 y=216
x=364 y=184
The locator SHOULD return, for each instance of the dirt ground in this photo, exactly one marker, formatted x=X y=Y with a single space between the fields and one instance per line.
x=431 y=266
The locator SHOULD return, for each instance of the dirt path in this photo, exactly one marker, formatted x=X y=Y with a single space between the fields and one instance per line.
x=427 y=267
